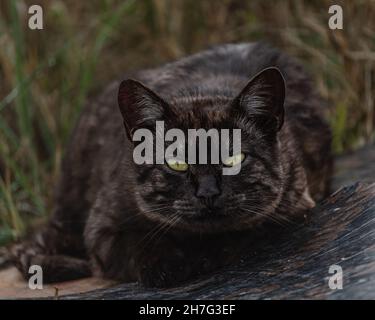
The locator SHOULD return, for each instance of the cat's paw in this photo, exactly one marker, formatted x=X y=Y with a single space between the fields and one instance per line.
x=167 y=270
x=56 y=268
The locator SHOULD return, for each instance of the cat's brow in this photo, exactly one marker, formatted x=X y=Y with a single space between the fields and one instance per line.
x=201 y=99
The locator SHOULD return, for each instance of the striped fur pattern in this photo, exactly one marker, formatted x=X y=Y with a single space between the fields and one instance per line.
x=150 y=224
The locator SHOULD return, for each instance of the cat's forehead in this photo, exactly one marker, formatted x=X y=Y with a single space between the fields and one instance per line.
x=206 y=112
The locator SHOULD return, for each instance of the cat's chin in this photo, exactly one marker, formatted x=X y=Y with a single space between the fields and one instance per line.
x=208 y=222
x=205 y=225
x=205 y=221
x=198 y=222
x=216 y=223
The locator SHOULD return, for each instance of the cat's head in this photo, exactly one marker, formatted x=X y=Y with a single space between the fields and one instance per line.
x=199 y=197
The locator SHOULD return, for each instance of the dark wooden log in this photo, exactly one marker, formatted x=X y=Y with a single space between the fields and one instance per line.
x=341 y=231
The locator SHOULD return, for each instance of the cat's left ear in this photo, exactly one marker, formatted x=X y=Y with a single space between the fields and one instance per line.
x=140 y=106
x=262 y=99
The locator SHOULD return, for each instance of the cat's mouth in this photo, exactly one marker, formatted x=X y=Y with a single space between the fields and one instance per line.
x=206 y=220
x=182 y=214
x=207 y=214
x=202 y=216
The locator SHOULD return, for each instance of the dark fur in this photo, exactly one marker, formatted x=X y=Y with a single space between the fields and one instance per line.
x=148 y=223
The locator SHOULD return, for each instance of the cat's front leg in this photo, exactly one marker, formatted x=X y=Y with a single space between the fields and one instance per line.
x=170 y=261
x=124 y=257
x=165 y=264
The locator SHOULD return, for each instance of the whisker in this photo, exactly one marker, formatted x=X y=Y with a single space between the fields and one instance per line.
x=172 y=223
x=154 y=231
x=278 y=216
x=275 y=219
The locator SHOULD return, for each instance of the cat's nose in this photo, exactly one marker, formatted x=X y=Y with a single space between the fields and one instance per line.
x=207 y=190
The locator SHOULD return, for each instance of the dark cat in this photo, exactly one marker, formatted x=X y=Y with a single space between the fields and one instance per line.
x=159 y=226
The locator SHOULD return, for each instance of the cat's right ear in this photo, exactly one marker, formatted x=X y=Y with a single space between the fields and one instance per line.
x=262 y=99
x=140 y=107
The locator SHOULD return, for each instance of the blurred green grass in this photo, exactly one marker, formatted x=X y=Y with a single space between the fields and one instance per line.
x=46 y=76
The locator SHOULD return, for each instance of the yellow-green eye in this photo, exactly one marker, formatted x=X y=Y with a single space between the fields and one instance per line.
x=177 y=165
x=234 y=160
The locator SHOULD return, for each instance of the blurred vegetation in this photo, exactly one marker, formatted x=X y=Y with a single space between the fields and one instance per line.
x=45 y=76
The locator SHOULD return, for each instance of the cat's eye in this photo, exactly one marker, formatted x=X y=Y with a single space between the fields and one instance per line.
x=177 y=165
x=234 y=160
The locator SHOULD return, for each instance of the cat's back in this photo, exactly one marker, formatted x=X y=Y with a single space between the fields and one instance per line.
x=225 y=69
